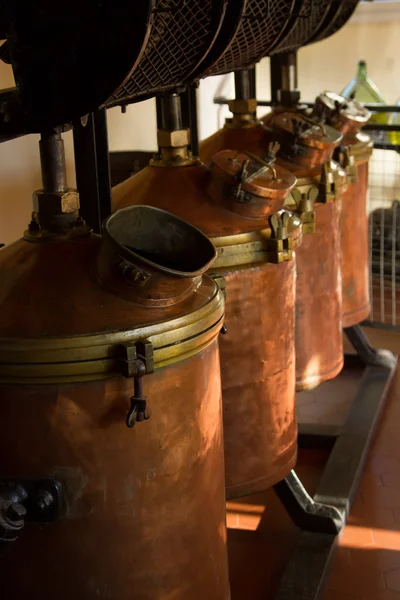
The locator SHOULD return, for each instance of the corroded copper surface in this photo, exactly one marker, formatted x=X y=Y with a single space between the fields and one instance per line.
x=257 y=354
x=146 y=507
x=319 y=349
x=354 y=242
x=258 y=377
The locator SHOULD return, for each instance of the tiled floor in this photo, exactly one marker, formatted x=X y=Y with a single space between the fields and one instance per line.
x=367 y=563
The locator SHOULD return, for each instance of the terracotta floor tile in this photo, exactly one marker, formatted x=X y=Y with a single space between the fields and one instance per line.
x=382 y=464
x=332 y=595
x=355 y=582
x=382 y=497
x=374 y=559
x=387 y=539
x=392 y=479
x=356 y=536
x=365 y=515
x=393 y=580
x=382 y=595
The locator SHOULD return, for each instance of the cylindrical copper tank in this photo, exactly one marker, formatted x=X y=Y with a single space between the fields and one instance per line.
x=307 y=151
x=83 y=319
x=348 y=116
x=257 y=353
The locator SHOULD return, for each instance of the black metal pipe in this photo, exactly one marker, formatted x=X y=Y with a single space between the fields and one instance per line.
x=190 y=116
x=242 y=85
x=93 y=169
x=380 y=108
x=169 y=112
x=52 y=160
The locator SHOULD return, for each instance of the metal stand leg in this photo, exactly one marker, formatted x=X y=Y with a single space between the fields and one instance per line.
x=305 y=574
x=304 y=511
x=367 y=354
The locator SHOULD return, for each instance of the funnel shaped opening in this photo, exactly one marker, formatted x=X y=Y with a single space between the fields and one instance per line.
x=161 y=240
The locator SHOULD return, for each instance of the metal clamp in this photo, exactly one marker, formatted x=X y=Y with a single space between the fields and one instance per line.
x=348 y=163
x=137 y=360
x=305 y=210
x=280 y=245
x=327 y=186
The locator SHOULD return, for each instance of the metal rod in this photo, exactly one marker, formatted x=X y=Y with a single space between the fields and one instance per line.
x=380 y=108
x=169 y=112
x=52 y=160
x=190 y=116
x=93 y=169
x=242 y=85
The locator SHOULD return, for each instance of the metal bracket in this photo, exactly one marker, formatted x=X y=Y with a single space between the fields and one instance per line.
x=307 y=514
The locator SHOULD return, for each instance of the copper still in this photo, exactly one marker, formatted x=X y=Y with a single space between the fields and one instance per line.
x=235 y=202
x=348 y=117
x=99 y=333
x=306 y=148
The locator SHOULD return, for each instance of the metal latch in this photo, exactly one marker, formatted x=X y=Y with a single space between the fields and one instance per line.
x=280 y=245
x=137 y=360
x=348 y=163
x=305 y=208
x=28 y=500
x=327 y=186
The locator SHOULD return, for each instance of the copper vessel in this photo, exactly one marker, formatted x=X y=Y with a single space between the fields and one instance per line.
x=234 y=203
x=99 y=333
x=348 y=117
x=306 y=148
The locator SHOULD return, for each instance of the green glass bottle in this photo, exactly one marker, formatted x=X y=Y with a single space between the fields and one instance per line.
x=363 y=89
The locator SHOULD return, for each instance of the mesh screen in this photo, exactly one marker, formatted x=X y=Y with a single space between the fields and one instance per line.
x=182 y=32
x=309 y=18
x=342 y=16
x=262 y=25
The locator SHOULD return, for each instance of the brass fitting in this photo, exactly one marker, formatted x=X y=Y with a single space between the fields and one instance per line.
x=173 y=147
x=327 y=186
x=243 y=107
x=55 y=203
x=305 y=210
x=348 y=163
x=173 y=139
x=279 y=245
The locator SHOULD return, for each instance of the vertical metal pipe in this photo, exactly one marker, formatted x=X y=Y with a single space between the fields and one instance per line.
x=190 y=116
x=52 y=160
x=242 y=85
x=170 y=112
x=93 y=169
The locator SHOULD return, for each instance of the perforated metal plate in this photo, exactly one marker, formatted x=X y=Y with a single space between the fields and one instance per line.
x=261 y=25
x=347 y=9
x=68 y=57
x=181 y=35
x=309 y=17
x=339 y=13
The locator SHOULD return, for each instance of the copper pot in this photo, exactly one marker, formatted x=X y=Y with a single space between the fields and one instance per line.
x=306 y=147
x=85 y=320
x=348 y=116
x=255 y=261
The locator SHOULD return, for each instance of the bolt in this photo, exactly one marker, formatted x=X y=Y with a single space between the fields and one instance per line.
x=44 y=500
x=224 y=329
x=16 y=512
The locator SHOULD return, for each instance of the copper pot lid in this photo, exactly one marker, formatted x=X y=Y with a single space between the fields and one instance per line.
x=333 y=107
x=305 y=130
x=251 y=186
x=254 y=175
